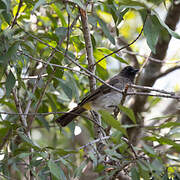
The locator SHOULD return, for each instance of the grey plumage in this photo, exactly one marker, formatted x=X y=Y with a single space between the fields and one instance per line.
x=103 y=97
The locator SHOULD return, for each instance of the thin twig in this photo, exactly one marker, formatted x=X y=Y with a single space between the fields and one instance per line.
x=17 y=13
x=151 y=58
x=124 y=47
x=93 y=142
x=51 y=64
x=130 y=145
x=151 y=89
x=99 y=79
x=167 y=71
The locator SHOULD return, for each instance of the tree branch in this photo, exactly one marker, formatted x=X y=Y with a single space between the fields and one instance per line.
x=167 y=71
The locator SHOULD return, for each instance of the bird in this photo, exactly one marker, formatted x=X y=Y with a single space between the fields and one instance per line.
x=103 y=98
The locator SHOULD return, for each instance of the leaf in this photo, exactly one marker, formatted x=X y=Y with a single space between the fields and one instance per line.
x=10 y=82
x=10 y=53
x=109 y=119
x=79 y=3
x=164 y=140
x=129 y=112
x=57 y=8
x=67 y=90
x=56 y=170
x=171 y=32
x=132 y=4
x=134 y=174
x=27 y=140
x=170 y=124
x=78 y=170
x=151 y=32
x=7 y=16
x=61 y=32
x=105 y=30
x=157 y=165
x=63 y=152
x=38 y=4
x=149 y=149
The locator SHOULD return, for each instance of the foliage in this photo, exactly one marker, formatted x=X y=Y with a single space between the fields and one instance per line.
x=38 y=40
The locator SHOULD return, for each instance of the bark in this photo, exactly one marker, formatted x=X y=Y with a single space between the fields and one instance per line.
x=149 y=77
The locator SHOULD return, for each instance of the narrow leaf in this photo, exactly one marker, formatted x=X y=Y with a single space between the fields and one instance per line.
x=79 y=3
x=109 y=119
x=106 y=30
x=10 y=82
x=56 y=170
x=151 y=32
x=171 y=32
x=129 y=112
x=25 y=138
x=38 y=4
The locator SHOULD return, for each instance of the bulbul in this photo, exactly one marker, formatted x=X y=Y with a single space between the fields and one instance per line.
x=104 y=97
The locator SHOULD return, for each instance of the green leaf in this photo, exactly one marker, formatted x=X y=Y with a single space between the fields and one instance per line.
x=105 y=30
x=10 y=54
x=134 y=174
x=63 y=152
x=7 y=16
x=79 y=3
x=157 y=165
x=67 y=90
x=10 y=82
x=151 y=32
x=148 y=149
x=61 y=32
x=109 y=119
x=25 y=138
x=129 y=112
x=56 y=170
x=170 y=124
x=60 y=14
x=171 y=32
x=132 y=4
x=164 y=140
x=38 y=4
x=78 y=170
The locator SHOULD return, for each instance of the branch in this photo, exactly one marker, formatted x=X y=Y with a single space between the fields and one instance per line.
x=151 y=58
x=150 y=70
x=17 y=13
x=90 y=73
x=89 y=48
x=51 y=64
x=167 y=71
x=93 y=142
x=151 y=89
x=124 y=47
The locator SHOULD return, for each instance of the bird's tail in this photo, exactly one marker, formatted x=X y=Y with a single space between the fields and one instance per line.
x=68 y=117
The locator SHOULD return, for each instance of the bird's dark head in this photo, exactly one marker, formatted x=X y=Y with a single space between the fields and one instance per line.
x=129 y=72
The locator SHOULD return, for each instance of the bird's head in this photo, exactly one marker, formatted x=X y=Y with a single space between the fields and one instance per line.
x=129 y=72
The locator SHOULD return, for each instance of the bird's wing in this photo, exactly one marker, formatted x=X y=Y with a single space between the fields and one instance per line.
x=103 y=89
